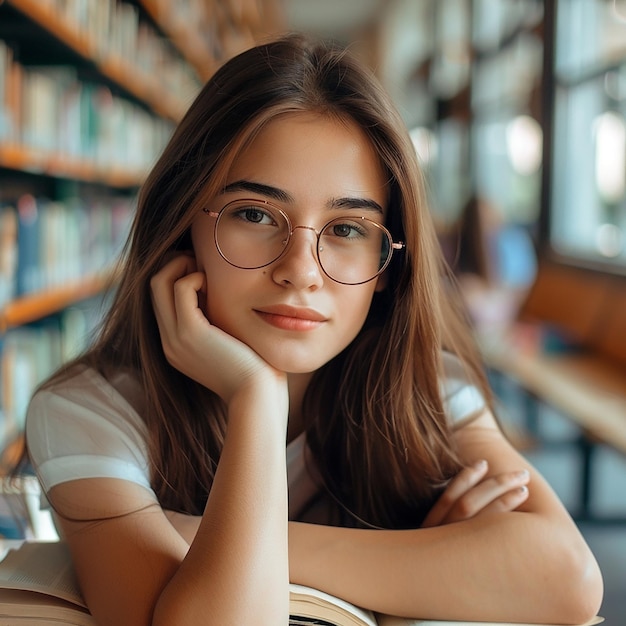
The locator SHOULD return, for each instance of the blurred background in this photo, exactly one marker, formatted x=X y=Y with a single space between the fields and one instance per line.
x=517 y=110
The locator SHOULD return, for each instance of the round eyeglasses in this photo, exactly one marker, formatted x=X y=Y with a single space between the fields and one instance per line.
x=250 y=234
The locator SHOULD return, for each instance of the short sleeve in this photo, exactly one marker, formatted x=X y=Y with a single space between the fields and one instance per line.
x=84 y=428
x=461 y=398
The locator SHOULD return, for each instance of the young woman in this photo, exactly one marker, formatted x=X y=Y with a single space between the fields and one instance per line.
x=283 y=285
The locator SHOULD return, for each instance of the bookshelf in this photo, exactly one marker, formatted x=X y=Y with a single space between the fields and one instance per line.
x=89 y=95
x=31 y=308
x=110 y=62
x=188 y=41
x=22 y=158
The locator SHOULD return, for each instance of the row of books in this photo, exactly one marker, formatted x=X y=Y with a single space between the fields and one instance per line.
x=114 y=29
x=29 y=354
x=45 y=244
x=47 y=109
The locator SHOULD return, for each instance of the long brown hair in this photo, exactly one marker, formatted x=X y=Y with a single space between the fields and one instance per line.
x=374 y=416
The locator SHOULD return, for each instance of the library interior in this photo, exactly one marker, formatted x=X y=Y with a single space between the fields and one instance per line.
x=517 y=111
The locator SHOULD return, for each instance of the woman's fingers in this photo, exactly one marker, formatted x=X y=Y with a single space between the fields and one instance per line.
x=467 y=478
x=495 y=493
x=470 y=494
x=190 y=342
x=162 y=287
x=174 y=289
x=186 y=303
x=509 y=501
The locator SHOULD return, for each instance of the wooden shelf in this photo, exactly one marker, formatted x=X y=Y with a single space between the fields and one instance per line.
x=46 y=16
x=33 y=307
x=145 y=88
x=17 y=157
x=142 y=86
x=186 y=40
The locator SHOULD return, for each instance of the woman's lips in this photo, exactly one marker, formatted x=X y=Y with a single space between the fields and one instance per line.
x=291 y=318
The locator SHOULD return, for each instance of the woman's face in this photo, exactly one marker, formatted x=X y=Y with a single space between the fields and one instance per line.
x=314 y=168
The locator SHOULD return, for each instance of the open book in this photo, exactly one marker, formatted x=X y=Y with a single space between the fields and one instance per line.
x=38 y=587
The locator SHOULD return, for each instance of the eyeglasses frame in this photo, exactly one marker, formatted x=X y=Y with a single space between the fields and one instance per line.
x=393 y=245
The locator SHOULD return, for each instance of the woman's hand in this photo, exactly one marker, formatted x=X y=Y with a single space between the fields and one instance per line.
x=191 y=343
x=471 y=492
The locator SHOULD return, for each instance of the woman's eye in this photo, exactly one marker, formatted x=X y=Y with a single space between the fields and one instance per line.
x=255 y=215
x=346 y=230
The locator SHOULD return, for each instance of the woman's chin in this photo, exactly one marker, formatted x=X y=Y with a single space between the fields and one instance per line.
x=291 y=363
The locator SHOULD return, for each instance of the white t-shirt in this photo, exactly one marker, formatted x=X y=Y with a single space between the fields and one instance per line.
x=86 y=428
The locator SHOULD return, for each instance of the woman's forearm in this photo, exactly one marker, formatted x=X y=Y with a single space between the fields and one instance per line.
x=499 y=567
x=236 y=570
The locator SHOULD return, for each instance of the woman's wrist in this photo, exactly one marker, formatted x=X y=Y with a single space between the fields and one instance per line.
x=264 y=397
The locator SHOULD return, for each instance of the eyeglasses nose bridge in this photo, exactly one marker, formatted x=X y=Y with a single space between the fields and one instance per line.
x=293 y=230
x=316 y=242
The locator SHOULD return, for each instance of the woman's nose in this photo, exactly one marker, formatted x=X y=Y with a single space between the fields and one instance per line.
x=299 y=265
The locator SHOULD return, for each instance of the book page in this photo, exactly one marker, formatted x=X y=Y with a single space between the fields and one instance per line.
x=389 y=620
x=312 y=603
x=22 y=608
x=45 y=567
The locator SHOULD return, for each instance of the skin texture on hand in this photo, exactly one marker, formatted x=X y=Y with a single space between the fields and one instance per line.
x=472 y=492
x=193 y=345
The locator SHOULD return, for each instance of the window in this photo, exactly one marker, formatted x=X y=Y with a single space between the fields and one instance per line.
x=587 y=195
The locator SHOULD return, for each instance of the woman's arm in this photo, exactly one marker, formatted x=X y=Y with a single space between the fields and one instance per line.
x=236 y=570
x=133 y=566
x=528 y=565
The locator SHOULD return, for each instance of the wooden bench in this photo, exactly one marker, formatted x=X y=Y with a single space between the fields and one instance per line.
x=584 y=379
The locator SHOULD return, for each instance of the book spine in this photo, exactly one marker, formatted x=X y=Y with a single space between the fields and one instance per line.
x=63 y=120
x=29 y=270
x=8 y=253
x=49 y=244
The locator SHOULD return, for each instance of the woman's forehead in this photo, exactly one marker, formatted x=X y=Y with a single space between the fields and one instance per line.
x=306 y=151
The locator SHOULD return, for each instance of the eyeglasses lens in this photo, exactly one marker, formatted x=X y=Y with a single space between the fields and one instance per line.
x=350 y=250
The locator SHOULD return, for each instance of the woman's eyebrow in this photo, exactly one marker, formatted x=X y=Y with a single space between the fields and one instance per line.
x=356 y=203
x=281 y=195
x=265 y=190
